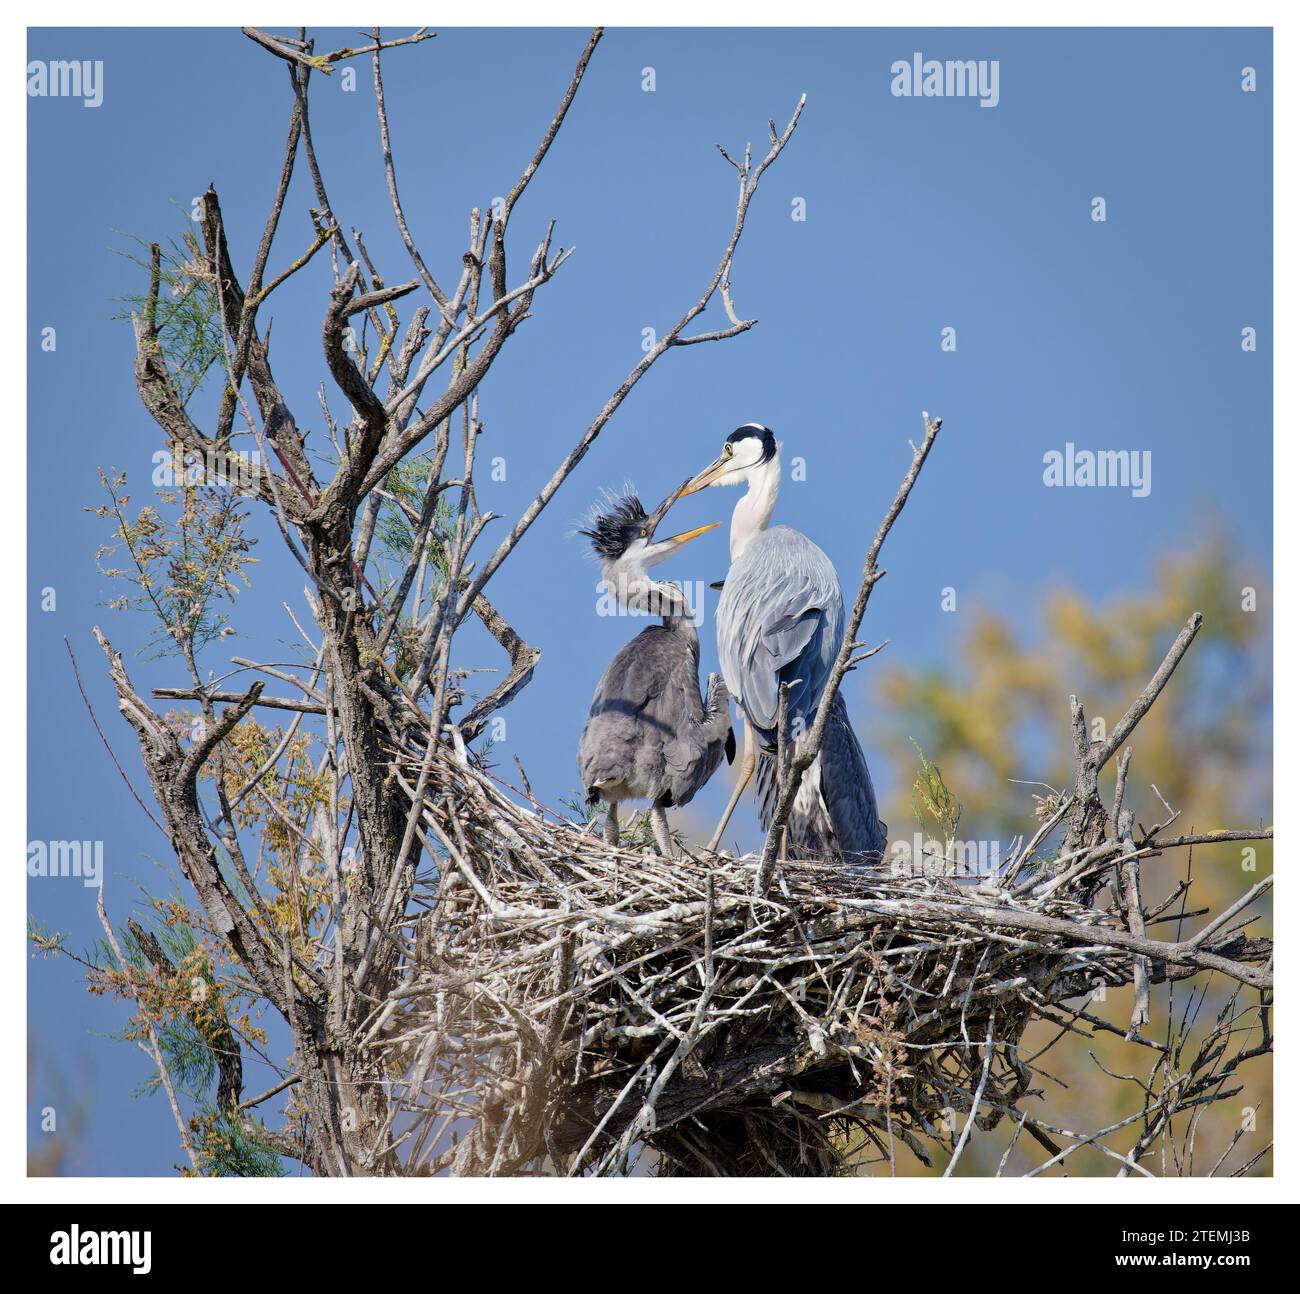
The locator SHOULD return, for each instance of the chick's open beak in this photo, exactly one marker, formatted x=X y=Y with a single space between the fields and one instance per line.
x=661 y=548
x=665 y=548
x=687 y=535
x=652 y=522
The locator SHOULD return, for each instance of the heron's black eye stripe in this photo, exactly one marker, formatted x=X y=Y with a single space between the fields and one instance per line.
x=752 y=431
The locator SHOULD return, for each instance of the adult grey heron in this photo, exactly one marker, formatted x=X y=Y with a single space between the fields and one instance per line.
x=781 y=620
x=649 y=734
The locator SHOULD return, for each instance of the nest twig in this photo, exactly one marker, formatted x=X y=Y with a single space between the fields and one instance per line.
x=569 y=1006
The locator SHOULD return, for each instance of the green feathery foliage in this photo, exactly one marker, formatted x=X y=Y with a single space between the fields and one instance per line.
x=188 y=312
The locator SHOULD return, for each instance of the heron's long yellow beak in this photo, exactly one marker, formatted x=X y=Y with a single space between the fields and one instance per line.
x=706 y=477
x=687 y=535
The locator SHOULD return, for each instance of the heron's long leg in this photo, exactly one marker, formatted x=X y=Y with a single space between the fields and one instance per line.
x=659 y=825
x=747 y=765
x=611 y=826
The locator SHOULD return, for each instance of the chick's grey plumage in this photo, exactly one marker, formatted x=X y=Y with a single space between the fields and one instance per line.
x=649 y=734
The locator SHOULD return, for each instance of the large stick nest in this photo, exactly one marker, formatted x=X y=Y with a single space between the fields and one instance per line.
x=569 y=1006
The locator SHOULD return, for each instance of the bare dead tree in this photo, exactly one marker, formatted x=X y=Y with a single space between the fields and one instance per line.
x=484 y=986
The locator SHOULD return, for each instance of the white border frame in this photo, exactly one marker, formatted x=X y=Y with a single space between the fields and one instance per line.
x=15 y=1186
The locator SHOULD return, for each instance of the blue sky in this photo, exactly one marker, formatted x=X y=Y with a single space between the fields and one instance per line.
x=922 y=213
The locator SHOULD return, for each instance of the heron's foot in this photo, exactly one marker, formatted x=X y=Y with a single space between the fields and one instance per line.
x=611 y=827
x=663 y=835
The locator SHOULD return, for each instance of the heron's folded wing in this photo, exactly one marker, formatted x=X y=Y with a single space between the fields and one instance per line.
x=780 y=619
x=634 y=676
x=608 y=750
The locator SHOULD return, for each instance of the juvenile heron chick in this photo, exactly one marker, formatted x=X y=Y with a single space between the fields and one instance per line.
x=649 y=734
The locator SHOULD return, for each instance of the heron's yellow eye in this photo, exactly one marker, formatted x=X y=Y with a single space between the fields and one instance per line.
x=644 y=534
x=728 y=450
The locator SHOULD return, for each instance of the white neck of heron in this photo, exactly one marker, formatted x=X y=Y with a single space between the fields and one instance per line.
x=755 y=508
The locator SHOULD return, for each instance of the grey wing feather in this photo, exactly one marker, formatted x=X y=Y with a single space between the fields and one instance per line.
x=611 y=750
x=807 y=832
x=703 y=731
x=780 y=619
x=843 y=817
x=648 y=734
x=846 y=787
